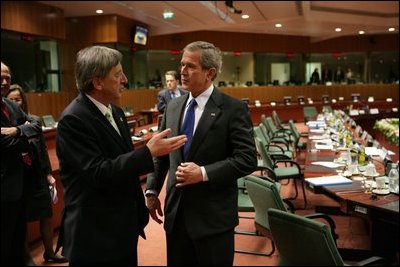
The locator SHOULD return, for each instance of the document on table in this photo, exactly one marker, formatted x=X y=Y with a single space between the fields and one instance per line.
x=329 y=180
x=317 y=130
x=328 y=164
x=318 y=137
x=323 y=147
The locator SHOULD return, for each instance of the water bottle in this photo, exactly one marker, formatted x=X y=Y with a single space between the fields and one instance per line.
x=394 y=179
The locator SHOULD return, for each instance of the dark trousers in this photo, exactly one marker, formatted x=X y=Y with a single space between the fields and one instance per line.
x=13 y=232
x=123 y=262
x=213 y=250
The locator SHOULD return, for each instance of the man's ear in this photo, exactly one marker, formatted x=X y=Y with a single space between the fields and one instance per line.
x=211 y=73
x=97 y=83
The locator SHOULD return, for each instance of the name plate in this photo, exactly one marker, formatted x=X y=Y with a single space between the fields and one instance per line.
x=374 y=111
x=395 y=109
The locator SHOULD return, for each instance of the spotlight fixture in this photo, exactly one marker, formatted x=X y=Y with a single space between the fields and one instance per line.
x=231 y=8
x=168 y=14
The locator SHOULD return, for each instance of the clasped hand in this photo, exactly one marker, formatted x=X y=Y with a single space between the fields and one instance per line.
x=188 y=173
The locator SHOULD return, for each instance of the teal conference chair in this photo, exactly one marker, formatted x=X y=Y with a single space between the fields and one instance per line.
x=246 y=205
x=309 y=113
x=305 y=242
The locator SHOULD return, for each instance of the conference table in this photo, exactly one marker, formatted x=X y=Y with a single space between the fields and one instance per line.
x=381 y=212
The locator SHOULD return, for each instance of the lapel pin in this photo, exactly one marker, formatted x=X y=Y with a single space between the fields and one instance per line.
x=213 y=114
x=121 y=119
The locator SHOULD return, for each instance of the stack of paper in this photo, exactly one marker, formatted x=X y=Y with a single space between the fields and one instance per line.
x=323 y=147
x=328 y=164
x=328 y=180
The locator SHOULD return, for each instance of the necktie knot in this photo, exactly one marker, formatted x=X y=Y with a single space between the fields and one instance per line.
x=188 y=125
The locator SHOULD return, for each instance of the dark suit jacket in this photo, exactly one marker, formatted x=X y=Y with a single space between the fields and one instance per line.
x=104 y=205
x=12 y=168
x=224 y=144
x=163 y=98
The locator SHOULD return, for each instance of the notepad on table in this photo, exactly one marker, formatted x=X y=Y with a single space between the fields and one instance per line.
x=328 y=180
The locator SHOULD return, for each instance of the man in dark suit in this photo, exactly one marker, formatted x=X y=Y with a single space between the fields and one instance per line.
x=171 y=91
x=104 y=211
x=201 y=209
x=16 y=128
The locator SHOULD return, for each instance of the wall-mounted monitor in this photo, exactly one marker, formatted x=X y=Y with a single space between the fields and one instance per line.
x=140 y=35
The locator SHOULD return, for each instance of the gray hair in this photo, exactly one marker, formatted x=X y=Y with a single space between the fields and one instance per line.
x=210 y=55
x=94 y=61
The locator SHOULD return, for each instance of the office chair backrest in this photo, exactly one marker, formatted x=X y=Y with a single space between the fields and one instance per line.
x=277 y=120
x=259 y=133
x=295 y=132
x=309 y=112
x=244 y=202
x=261 y=147
x=302 y=241
x=264 y=194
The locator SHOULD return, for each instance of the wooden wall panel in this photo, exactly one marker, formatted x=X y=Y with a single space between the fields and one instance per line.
x=33 y=18
x=49 y=103
x=139 y=99
x=267 y=94
x=54 y=103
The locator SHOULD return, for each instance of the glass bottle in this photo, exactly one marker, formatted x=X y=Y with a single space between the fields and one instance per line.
x=394 y=179
x=361 y=156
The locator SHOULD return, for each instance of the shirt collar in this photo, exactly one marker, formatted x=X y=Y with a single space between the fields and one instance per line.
x=202 y=98
x=103 y=109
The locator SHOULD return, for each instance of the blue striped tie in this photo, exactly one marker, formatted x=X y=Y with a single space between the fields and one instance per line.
x=188 y=126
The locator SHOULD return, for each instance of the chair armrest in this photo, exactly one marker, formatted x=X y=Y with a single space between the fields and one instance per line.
x=271 y=171
x=290 y=205
x=274 y=145
x=291 y=162
x=276 y=142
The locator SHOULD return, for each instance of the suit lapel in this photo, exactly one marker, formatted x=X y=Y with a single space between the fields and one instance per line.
x=119 y=120
x=174 y=120
x=210 y=114
x=101 y=119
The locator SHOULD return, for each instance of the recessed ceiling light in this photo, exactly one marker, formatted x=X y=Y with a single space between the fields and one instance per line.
x=338 y=29
x=361 y=32
x=99 y=11
x=245 y=16
x=391 y=29
x=168 y=14
x=278 y=25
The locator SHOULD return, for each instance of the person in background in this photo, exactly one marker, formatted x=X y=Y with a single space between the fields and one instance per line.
x=201 y=209
x=36 y=187
x=104 y=207
x=349 y=76
x=171 y=91
x=314 y=79
x=339 y=75
x=15 y=162
x=326 y=74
